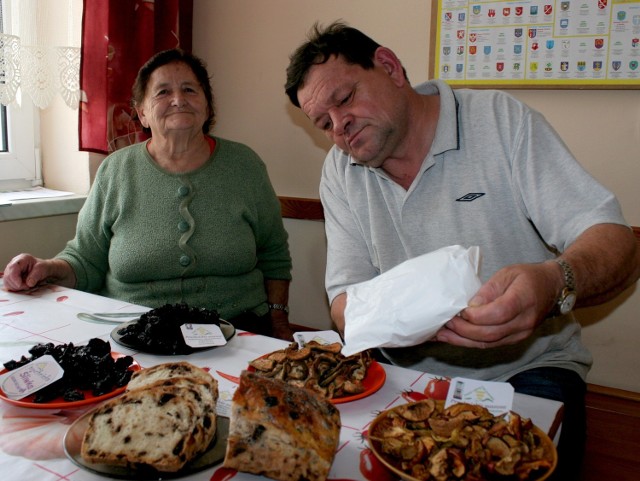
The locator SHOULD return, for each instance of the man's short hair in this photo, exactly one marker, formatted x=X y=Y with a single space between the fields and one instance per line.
x=337 y=39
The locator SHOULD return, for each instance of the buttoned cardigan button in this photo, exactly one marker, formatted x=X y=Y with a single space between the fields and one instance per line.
x=185 y=261
x=183 y=226
x=183 y=190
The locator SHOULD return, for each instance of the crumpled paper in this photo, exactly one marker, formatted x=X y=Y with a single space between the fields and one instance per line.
x=406 y=305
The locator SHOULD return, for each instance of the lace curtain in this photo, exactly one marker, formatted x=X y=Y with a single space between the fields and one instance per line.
x=40 y=51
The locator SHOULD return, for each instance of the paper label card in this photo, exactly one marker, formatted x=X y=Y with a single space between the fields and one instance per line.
x=202 y=335
x=30 y=378
x=497 y=397
x=226 y=388
x=321 y=337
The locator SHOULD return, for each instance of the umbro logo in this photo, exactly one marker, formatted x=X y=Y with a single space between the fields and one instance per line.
x=471 y=196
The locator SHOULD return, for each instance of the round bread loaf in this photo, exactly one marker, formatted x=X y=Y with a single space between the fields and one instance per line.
x=281 y=431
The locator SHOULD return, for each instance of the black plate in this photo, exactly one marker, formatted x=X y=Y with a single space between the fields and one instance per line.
x=213 y=455
x=228 y=331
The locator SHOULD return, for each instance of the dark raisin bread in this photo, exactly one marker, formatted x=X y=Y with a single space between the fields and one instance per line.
x=281 y=431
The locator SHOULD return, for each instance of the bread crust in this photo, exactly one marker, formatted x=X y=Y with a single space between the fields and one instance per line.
x=170 y=370
x=281 y=431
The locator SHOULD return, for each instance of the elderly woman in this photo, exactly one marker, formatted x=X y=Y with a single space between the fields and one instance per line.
x=183 y=217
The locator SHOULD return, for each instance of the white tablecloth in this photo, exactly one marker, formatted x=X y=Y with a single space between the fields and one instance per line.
x=31 y=439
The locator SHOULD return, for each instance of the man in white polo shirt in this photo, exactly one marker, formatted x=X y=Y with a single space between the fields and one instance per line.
x=417 y=169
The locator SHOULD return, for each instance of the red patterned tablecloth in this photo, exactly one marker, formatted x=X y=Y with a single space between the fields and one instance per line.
x=31 y=439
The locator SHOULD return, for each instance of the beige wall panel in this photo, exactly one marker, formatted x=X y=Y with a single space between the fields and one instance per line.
x=246 y=44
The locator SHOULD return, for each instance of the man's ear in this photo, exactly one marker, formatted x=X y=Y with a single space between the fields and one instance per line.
x=385 y=58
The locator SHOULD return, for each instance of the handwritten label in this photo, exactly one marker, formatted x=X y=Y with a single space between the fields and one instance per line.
x=202 y=335
x=497 y=397
x=32 y=377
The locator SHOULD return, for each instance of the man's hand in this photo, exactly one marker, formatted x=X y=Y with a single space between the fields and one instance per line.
x=507 y=308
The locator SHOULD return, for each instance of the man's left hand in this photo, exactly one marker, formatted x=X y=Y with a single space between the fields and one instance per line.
x=507 y=308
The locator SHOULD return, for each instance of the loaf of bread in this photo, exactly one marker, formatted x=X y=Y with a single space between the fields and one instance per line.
x=280 y=431
x=164 y=420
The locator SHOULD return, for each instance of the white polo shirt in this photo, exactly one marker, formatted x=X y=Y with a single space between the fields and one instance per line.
x=497 y=176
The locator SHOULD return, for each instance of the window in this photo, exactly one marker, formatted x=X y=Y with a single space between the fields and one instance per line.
x=19 y=162
x=19 y=134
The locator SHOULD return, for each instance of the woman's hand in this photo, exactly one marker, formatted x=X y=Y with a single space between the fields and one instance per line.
x=25 y=272
x=280 y=327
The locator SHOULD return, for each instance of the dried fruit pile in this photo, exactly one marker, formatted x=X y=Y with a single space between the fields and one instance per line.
x=159 y=329
x=319 y=367
x=462 y=442
x=86 y=368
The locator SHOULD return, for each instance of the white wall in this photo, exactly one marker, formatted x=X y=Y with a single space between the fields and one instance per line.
x=246 y=44
x=307 y=300
x=43 y=236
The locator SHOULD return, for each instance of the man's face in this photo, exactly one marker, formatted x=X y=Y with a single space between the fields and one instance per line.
x=358 y=109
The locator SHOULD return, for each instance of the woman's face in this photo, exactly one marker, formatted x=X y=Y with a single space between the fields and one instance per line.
x=174 y=101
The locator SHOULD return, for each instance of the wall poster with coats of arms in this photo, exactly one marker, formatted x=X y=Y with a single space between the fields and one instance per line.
x=537 y=43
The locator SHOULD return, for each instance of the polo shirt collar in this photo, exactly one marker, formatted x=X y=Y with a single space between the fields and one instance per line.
x=447 y=131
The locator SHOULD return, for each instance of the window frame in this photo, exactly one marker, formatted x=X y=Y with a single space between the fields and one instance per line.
x=20 y=165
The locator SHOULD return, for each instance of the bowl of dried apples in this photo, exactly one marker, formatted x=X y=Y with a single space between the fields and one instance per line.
x=423 y=440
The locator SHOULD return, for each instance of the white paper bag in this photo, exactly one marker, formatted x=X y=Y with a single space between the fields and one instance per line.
x=406 y=305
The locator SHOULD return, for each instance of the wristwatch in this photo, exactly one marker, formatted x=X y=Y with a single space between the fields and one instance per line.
x=279 y=307
x=567 y=298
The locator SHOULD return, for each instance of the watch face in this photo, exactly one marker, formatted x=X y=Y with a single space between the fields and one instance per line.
x=567 y=303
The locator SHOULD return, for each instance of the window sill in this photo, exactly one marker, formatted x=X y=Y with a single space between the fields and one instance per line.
x=33 y=208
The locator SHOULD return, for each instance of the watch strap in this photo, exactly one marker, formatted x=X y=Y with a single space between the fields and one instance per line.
x=567 y=297
x=279 y=307
x=569 y=278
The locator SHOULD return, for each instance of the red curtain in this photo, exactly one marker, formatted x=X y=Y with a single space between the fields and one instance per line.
x=118 y=37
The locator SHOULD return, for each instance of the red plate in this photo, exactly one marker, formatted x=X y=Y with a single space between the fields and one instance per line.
x=376 y=375
x=27 y=402
x=374 y=380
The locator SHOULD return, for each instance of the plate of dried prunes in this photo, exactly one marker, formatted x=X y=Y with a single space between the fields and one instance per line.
x=92 y=373
x=158 y=331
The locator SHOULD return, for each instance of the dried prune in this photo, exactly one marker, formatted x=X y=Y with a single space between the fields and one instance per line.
x=86 y=368
x=71 y=395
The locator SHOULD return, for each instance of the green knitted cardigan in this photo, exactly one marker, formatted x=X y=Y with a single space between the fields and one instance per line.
x=210 y=237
